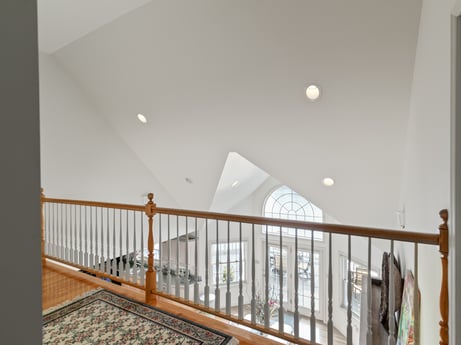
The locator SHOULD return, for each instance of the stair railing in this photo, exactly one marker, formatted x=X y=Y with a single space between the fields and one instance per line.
x=236 y=266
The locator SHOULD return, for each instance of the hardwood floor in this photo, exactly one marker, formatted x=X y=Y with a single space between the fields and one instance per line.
x=61 y=284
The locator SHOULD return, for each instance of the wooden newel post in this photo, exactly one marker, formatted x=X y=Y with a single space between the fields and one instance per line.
x=42 y=225
x=150 y=274
x=443 y=248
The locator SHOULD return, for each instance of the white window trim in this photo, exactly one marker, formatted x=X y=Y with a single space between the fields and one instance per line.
x=212 y=256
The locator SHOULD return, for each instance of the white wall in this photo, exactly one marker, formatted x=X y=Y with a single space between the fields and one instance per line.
x=81 y=156
x=426 y=172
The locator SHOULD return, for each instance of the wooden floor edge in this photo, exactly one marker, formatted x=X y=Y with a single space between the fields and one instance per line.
x=70 y=272
x=245 y=337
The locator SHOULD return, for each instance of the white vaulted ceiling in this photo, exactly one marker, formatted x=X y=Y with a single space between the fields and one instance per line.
x=64 y=21
x=215 y=77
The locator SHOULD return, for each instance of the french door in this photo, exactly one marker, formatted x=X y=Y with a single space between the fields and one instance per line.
x=282 y=264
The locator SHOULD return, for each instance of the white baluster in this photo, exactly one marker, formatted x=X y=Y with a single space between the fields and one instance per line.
x=228 y=293
x=369 y=295
x=108 y=243
x=177 y=287
x=80 y=230
x=96 y=239
x=313 y=333
x=86 y=257
x=207 y=268
x=217 y=291
x=330 y=293
x=186 y=282
x=240 y=298
x=349 y=292
x=127 y=245
x=160 y=253
x=296 y=274
x=168 y=284
x=266 y=286
x=253 y=276
x=114 y=245
x=143 y=269
x=281 y=310
x=196 y=286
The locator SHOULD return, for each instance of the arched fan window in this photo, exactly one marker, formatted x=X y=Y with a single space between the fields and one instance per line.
x=285 y=203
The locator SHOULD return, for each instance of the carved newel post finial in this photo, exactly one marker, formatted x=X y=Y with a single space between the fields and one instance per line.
x=444 y=215
x=150 y=206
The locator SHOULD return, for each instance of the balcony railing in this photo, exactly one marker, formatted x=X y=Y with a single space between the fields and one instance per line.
x=241 y=268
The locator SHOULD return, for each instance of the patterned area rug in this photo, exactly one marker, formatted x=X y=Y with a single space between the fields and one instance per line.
x=103 y=317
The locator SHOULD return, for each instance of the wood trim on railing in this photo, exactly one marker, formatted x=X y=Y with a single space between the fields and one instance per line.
x=443 y=248
x=398 y=235
x=96 y=204
x=97 y=273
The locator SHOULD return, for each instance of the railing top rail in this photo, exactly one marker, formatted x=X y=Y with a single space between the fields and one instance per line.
x=95 y=204
x=387 y=234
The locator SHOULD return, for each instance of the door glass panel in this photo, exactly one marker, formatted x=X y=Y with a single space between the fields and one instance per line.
x=277 y=267
x=304 y=279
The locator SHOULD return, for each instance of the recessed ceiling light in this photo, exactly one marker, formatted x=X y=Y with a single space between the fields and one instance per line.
x=235 y=183
x=312 y=92
x=142 y=118
x=328 y=181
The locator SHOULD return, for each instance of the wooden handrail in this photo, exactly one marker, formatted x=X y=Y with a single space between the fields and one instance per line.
x=387 y=234
x=95 y=204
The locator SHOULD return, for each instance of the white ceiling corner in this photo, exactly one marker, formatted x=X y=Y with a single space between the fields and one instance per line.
x=64 y=21
x=248 y=175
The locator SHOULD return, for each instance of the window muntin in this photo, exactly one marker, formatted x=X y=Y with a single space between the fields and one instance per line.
x=277 y=266
x=234 y=261
x=285 y=203
x=304 y=279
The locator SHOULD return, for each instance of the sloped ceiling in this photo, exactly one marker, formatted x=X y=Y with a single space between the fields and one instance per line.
x=239 y=179
x=215 y=77
x=64 y=21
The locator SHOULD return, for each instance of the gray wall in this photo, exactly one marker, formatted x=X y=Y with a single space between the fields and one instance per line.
x=20 y=174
